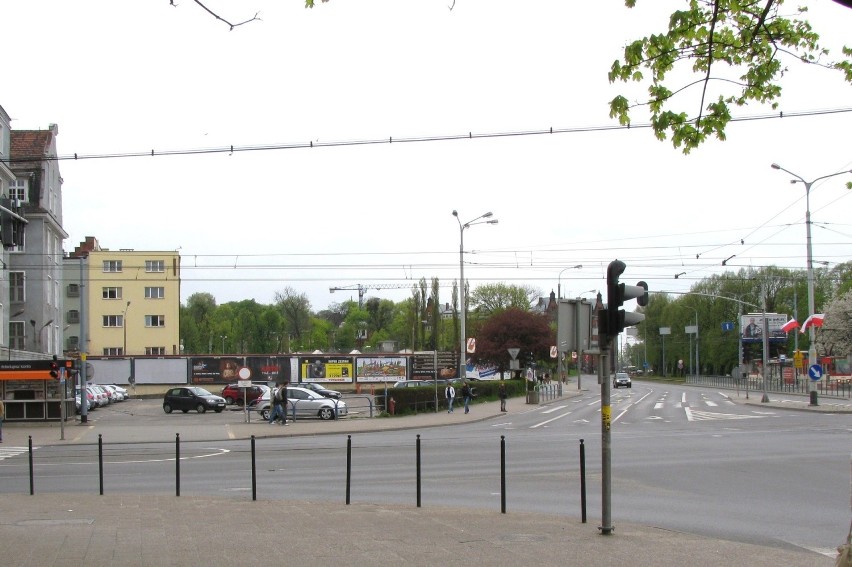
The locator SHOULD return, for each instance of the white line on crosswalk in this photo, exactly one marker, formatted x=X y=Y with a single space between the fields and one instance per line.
x=696 y=415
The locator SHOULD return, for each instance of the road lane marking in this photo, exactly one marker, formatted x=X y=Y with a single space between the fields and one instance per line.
x=696 y=415
x=550 y=420
x=551 y=410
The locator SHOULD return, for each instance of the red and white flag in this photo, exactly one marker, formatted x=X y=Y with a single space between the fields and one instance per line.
x=815 y=320
x=790 y=325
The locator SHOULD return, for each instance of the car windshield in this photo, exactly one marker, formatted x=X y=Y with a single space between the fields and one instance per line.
x=200 y=391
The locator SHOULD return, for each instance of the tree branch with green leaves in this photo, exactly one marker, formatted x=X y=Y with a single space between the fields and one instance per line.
x=738 y=47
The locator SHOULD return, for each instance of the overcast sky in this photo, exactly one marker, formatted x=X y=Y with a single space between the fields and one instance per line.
x=138 y=75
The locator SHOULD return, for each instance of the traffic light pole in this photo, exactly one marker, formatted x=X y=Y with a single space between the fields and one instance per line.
x=606 y=527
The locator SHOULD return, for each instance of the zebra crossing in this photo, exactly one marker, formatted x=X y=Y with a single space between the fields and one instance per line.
x=667 y=406
x=7 y=452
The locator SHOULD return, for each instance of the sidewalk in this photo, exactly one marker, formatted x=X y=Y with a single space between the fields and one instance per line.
x=152 y=530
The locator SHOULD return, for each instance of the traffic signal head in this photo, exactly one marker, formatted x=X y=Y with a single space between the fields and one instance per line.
x=615 y=319
x=54 y=370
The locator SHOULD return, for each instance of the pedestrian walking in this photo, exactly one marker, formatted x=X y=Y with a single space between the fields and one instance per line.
x=2 y=417
x=451 y=397
x=279 y=405
x=467 y=395
x=502 y=391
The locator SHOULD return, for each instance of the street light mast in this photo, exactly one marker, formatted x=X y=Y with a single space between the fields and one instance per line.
x=810 y=264
x=462 y=330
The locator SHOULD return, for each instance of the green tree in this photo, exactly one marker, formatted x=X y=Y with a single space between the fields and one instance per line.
x=490 y=299
x=736 y=48
x=296 y=311
x=835 y=336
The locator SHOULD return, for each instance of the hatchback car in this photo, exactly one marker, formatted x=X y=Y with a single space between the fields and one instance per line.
x=322 y=391
x=622 y=379
x=233 y=394
x=305 y=403
x=192 y=398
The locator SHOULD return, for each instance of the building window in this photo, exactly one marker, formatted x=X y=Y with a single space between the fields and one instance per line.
x=155 y=292
x=114 y=351
x=73 y=317
x=18 y=190
x=155 y=266
x=112 y=293
x=155 y=320
x=113 y=320
x=155 y=350
x=16 y=287
x=73 y=290
x=73 y=343
x=112 y=266
x=16 y=335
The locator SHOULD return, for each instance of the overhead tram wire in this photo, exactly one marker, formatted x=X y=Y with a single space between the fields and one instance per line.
x=401 y=140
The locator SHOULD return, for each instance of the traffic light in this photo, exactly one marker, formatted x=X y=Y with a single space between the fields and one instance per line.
x=613 y=320
x=54 y=370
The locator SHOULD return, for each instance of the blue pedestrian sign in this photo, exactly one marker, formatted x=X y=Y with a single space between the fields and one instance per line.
x=815 y=372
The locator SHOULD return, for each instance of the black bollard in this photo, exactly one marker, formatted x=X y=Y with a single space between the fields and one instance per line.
x=101 y=462
x=503 y=474
x=583 y=480
x=32 y=479
x=253 y=472
x=348 y=466
x=418 y=470
x=177 y=464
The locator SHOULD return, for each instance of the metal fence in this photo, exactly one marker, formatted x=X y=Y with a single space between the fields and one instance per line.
x=829 y=387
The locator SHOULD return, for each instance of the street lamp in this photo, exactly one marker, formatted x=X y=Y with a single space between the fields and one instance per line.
x=223 y=337
x=124 y=324
x=463 y=340
x=811 y=307
x=697 y=364
x=559 y=280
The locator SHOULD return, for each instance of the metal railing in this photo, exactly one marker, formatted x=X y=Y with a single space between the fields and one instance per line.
x=829 y=387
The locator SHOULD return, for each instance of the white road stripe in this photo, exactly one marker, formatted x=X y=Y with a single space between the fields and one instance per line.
x=550 y=420
x=551 y=410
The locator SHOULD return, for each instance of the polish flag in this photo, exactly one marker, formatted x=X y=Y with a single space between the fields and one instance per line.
x=790 y=325
x=815 y=320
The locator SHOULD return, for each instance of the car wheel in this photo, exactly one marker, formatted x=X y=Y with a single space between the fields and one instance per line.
x=326 y=413
x=218 y=410
x=229 y=400
x=167 y=408
x=200 y=408
x=264 y=414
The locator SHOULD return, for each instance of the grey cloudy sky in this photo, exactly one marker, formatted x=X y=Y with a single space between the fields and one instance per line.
x=136 y=75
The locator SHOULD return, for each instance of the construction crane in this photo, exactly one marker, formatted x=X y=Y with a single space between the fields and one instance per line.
x=362 y=289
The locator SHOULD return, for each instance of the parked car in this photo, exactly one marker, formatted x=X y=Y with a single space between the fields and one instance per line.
x=321 y=390
x=115 y=394
x=90 y=398
x=101 y=398
x=622 y=379
x=306 y=403
x=411 y=383
x=125 y=395
x=192 y=398
x=233 y=394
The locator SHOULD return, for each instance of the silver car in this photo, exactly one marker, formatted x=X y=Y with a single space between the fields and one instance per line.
x=305 y=403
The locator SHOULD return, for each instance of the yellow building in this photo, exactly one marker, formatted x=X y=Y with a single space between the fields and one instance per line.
x=131 y=301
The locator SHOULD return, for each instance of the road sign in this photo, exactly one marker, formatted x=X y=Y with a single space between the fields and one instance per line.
x=245 y=377
x=553 y=352
x=513 y=352
x=815 y=372
x=798 y=360
x=471 y=345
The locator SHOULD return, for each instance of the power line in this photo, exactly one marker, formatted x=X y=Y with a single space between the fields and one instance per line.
x=400 y=140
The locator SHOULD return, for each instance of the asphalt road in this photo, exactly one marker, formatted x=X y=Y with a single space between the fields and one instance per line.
x=684 y=458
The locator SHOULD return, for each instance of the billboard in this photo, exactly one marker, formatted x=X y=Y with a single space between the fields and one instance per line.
x=223 y=369
x=751 y=327
x=325 y=369
x=381 y=369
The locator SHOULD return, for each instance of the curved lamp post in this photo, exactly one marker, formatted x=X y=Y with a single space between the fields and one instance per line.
x=559 y=279
x=463 y=340
x=811 y=307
